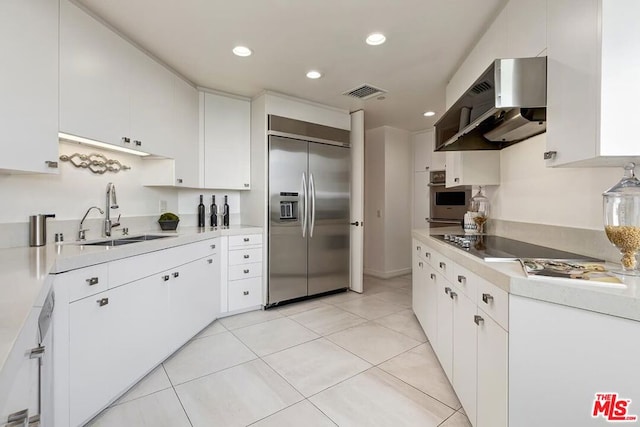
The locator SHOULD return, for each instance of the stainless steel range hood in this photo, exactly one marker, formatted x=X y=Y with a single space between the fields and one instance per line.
x=507 y=104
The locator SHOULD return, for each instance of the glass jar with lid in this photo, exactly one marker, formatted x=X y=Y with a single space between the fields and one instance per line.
x=621 y=205
x=479 y=205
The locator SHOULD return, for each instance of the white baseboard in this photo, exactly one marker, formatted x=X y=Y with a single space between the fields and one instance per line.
x=387 y=274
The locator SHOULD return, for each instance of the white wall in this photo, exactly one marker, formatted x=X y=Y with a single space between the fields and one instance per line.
x=388 y=171
x=531 y=192
x=398 y=173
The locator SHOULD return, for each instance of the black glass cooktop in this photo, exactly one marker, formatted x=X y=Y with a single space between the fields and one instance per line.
x=496 y=248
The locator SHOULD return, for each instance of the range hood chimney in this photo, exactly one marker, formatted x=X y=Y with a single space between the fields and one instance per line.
x=507 y=104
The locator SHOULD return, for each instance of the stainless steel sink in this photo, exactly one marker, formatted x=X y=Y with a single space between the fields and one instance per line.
x=126 y=240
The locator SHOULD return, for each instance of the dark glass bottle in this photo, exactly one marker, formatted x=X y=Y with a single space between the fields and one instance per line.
x=201 y=212
x=214 y=212
x=225 y=216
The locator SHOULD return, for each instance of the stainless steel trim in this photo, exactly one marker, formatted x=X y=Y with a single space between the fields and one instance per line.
x=436 y=185
x=307 y=130
x=444 y=221
x=308 y=138
x=305 y=197
x=312 y=191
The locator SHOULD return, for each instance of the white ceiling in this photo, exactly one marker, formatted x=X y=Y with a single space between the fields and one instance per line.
x=426 y=41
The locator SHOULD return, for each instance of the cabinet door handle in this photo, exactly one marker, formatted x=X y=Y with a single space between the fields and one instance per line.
x=456 y=179
x=245 y=293
x=442 y=265
x=246 y=186
x=548 y=155
x=462 y=279
x=486 y=298
x=51 y=164
x=420 y=264
x=92 y=281
x=246 y=271
x=447 y=290
x=418 y=248
x=213 y=246
x=433 y=276
x=176 y=274
x=246 y=239
x=478 y=319
x=179 y=180
x=138 y=143
x=126 y=139
x=427 y=254
x=210 y=261
x=453 y=295
x=103 y=301
x=246 y=257
x=36 y=353
x=165 y=277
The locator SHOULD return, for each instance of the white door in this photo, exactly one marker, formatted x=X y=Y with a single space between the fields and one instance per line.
x=357 y=200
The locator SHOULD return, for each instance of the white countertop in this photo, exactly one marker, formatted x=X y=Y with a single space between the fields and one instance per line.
x=509 y=276
x=25 y=271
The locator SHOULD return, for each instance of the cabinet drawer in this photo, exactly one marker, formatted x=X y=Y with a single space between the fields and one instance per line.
x=244 y=271
x=466 y=281
x=493 y=301
x=245 y=240
x=140 y=266
x=85 y=281
x=205 y=247
x=443 y=266
x=245 y=293
x=245 y=256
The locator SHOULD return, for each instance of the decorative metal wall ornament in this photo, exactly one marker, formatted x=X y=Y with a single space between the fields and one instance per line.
x=96 y=163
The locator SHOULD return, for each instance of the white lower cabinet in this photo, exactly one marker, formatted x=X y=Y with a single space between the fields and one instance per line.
x=242 y=273
x=115 y=322
x=115 y=338
x=465 y=319
x=465 y=352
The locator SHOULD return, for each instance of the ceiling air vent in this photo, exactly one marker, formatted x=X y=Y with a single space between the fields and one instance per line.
x=481 y=87
x=364 y=92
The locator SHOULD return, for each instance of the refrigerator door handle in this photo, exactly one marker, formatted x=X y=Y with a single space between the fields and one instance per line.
x=312 y=192
x=305 y=200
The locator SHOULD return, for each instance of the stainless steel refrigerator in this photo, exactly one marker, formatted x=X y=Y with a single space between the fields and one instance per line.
x=308 y=217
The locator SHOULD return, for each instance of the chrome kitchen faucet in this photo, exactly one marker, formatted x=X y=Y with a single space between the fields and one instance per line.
x=111 y=203
x=82 y=231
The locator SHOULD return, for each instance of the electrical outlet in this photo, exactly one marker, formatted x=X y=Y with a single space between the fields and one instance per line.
x=163 y=206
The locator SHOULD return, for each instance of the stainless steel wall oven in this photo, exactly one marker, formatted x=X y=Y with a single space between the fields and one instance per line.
x=448 y=205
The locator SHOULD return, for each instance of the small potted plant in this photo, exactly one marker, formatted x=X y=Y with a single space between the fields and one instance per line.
x=168 y=221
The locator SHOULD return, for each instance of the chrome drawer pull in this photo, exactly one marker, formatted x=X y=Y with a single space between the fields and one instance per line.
x=246 y=239
x=176 y=274
x=478 y=319
x=486 y=298
x=92 y=281
x=210 y=261
x=36 y=353
x=246 y=257
x=420 y=264
x=433 y=276
x=213 y=246
x=427 y=254
x=442 y=265
x=453 y=295
x=246 y=271
x=245 y=293
x=418 y=248
x=447 y=290
x=103 y=301
x=165 y=277
x=462 y=279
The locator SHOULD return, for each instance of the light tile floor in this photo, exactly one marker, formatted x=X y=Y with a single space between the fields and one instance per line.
x=346 y=359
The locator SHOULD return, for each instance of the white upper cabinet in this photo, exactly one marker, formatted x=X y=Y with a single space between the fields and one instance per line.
x=184 y=143
x=226 y=140
x=473 y=168
x=109 y=90
x=592 y=82
x=422 y=150
x=29 y=85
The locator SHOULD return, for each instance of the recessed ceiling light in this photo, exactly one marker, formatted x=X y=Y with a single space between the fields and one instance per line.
x=429 y=113
x=314 y=74
x=376 y=39
x=242 y=51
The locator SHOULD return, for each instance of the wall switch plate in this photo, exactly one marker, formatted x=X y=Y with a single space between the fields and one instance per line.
x=163 y=206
